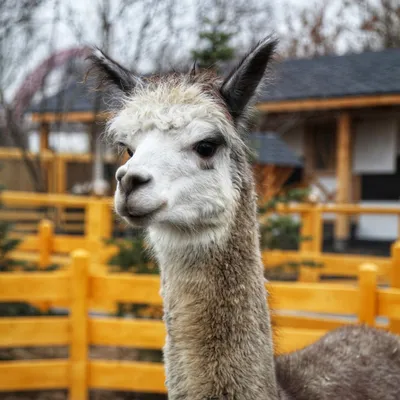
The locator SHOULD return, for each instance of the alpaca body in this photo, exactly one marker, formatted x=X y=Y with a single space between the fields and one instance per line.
x=349 y=363
x=188 y=182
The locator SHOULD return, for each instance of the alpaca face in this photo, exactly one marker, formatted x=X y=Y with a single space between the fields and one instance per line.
x=183 y=133
x=180 y=170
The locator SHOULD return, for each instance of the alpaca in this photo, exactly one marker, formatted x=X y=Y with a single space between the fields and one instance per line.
x=189 y=184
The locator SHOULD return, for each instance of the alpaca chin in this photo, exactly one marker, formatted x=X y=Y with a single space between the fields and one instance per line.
x=172 y=244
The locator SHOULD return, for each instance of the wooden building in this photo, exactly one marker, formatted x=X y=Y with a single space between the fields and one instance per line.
x=273 y=164
x=75 y=112
x=341 y=115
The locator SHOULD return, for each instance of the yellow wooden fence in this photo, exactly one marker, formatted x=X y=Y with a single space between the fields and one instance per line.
x=312 y=217
x=45 y=246
x=99 y=221
x=78 y=285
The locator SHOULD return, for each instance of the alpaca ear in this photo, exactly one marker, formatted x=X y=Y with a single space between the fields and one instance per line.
x=110 y=73
x=240 y=86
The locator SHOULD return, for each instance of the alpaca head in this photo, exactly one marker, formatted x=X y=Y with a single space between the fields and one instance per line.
x=183 y=134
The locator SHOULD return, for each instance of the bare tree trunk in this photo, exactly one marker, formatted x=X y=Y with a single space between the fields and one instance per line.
x=100 y=186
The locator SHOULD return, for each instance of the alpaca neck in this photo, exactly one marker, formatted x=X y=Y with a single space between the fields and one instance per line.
x=218 y=328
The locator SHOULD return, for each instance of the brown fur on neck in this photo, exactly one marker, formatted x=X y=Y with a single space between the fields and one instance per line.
x=219 y=336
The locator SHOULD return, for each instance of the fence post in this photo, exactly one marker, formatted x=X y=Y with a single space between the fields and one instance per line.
x=368 y=279
x=312 y=226
x=306 y=231
x=317 y=229
x=46 y=230
x=79 y=325
x=394 y=325
x=98 y=226
x=60 y=183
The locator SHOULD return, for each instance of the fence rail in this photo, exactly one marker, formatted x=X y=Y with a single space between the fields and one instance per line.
x=79 y=285
x=98 y=225
x=98 y=220
x=59 y=170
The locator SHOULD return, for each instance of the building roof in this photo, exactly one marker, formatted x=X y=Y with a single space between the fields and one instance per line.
x=363 y=74
x=75 y=97
x=270 y=149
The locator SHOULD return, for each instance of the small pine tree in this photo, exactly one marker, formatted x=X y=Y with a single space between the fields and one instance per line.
x=132 y=257
x=216 y=47
x=283 y=232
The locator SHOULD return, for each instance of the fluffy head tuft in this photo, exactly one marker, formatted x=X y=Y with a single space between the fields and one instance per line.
x=170 y=104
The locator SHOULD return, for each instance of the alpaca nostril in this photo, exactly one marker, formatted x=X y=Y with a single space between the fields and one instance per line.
x=139 y=180
x=132 y=181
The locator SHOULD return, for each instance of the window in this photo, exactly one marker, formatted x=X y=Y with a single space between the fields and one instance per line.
x=381 y=187
x=324 y=146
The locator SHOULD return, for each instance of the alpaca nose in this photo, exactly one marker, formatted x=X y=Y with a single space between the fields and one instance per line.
x=132 y=180
x=121 y=171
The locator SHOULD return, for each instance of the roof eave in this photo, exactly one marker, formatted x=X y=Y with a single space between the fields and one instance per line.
x=72 y=116
x=312 y=104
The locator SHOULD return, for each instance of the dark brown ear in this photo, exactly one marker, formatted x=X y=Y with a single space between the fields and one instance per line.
x=240 y=86
x=194 y=70
x=110 y=73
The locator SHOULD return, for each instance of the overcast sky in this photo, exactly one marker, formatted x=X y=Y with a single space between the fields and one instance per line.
x=65 y=34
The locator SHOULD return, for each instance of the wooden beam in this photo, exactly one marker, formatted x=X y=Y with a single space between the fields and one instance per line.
x=29 y=199
x=339 y=208
x=34 y=287
x=127 y=288
x=311 y=297
x=34 y=331
x=137 y=333
x=122 y=375
x=73 y=116
x=287 y=339
x=60 y=175
x=329 y=104
x=44 y=132
x=34 y=375
x=44 y=136
x=343 y=174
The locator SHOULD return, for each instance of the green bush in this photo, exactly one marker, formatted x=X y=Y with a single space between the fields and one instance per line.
x=283 y=232
x=131 y=256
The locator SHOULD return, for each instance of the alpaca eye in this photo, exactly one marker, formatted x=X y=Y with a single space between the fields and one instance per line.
x=123 y=147
x=205 y=149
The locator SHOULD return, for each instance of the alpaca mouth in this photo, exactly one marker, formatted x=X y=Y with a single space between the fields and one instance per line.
x=140 y=216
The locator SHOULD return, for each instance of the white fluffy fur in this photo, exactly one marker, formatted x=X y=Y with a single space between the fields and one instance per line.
x=167 y=107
